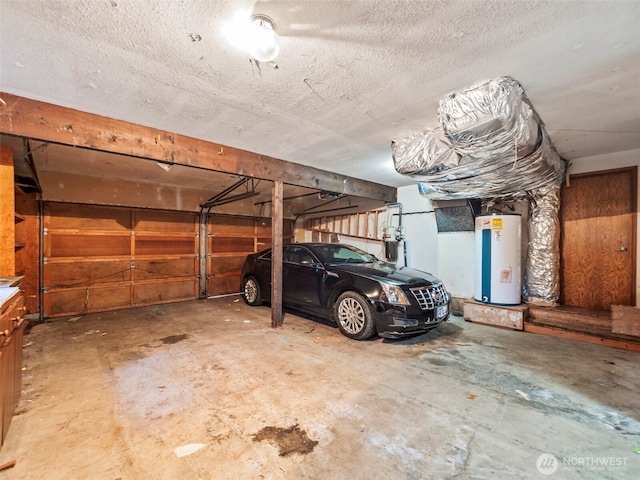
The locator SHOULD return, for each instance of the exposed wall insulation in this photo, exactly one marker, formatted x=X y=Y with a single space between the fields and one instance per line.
x=105 y=258
x=231 y=239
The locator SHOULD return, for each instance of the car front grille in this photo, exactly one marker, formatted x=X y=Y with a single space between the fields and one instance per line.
x=430 y=297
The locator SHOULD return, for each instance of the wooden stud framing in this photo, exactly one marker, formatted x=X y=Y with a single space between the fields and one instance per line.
x=359 y=225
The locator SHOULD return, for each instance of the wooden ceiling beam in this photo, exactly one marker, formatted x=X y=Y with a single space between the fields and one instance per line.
x=52 y=123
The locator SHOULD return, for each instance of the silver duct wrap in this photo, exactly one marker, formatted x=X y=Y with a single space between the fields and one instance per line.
x=429 y=151
x=494 y=118
x=542 y=270
x=495 y=177
x=491 y=144
x=494 y=145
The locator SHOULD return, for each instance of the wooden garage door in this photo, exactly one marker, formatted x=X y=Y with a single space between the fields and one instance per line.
x=231 y=239
x=106 y=258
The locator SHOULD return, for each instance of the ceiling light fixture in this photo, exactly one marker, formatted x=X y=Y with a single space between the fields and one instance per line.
x=254 y=35
x=263 y=42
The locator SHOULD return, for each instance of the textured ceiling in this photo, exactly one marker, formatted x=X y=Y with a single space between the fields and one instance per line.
x=351 y=75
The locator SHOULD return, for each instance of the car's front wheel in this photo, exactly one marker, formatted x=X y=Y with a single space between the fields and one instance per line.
x=251 y=292
x=353 y=316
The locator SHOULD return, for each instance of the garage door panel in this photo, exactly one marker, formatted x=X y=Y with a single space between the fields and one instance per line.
x=231 y=239
x=164 y=292
x=86 y=300
x=87 y=217
x=232 y=244
x=164 y=245
x=263 y=227
x=224 y=285
x=165 y=268
x=221 y=265
x=154 y=221
x=100 y=263
x=223 y=224
x=74 y=274
x=62 y=245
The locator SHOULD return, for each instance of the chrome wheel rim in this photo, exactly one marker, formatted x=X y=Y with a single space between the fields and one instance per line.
x=250 y=291
x=351 y=315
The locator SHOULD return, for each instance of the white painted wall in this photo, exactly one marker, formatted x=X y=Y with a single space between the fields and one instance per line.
x=450 y=256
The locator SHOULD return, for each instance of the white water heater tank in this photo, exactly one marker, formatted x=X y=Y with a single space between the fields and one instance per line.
x=498 y=247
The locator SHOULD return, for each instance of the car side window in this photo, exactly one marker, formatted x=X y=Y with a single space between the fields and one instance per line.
x=299 y=255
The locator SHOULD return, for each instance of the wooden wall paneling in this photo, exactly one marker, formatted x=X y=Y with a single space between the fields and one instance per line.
x=7 y=214
x=28 y=257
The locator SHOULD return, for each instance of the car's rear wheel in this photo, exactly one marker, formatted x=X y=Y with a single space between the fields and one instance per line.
x=251 y=292
x=353 y=316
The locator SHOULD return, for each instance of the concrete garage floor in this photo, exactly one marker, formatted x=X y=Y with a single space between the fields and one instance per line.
x=113 y=395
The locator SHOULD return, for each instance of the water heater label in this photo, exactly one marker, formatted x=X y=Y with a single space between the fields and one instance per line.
x=496 y=224
x=505 y=275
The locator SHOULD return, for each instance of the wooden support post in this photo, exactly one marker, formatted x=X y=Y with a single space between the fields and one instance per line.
x=276 y=254
x=203 y=250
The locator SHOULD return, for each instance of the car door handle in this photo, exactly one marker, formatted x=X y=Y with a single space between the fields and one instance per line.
x=622 y=249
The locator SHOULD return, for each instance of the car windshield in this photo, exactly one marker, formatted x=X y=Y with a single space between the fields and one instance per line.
x=341 y=254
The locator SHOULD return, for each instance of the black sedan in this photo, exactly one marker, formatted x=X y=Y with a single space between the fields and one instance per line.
x=360 y=293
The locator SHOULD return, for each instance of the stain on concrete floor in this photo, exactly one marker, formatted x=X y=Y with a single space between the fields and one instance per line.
x=173 y=339
x=288 y=440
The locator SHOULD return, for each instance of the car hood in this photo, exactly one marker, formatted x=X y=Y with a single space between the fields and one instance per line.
x=388 y=273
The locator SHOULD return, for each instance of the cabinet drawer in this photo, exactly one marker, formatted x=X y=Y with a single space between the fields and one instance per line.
x=12 y=312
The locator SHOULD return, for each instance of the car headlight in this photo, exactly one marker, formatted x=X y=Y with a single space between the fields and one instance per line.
x=393 y=295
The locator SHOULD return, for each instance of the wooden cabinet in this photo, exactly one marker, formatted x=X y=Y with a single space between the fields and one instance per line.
x=12 y=307
x=12 y=325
